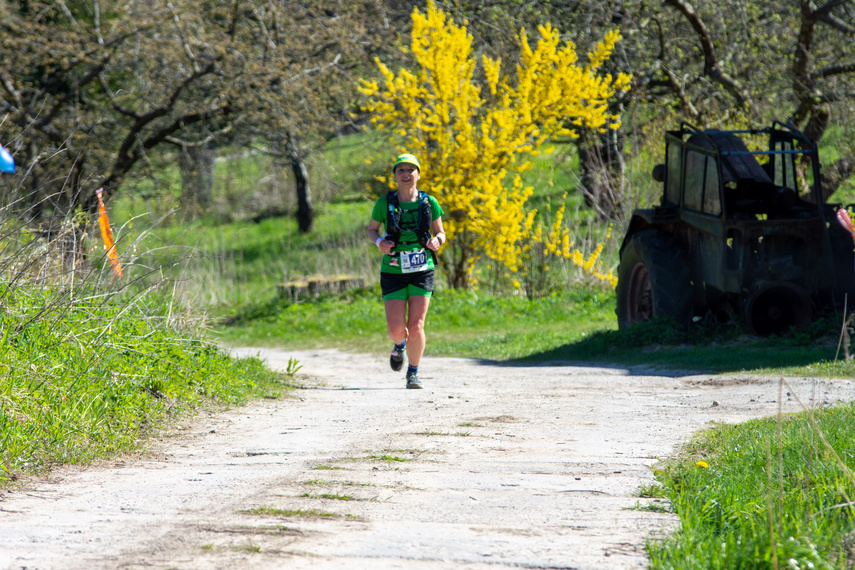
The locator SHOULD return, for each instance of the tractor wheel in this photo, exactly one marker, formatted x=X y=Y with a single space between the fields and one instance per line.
x=653 y=280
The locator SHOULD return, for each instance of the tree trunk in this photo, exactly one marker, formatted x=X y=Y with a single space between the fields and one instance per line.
x=197 y=179
x=457 y=262
x=602 y=172
x=305 y=211
x=835 y=174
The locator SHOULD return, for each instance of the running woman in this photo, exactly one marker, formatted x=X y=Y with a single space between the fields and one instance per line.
x=413 y=232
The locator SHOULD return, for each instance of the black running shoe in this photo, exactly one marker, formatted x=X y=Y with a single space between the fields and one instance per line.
x=396 y=360
x=413 y=382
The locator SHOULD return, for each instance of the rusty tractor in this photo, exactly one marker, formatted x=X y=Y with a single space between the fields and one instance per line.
x=741 y=235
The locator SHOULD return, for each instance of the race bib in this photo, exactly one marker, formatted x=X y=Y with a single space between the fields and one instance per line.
x=414 y=261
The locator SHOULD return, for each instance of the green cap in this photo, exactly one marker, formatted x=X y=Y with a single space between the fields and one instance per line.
x=408 y=159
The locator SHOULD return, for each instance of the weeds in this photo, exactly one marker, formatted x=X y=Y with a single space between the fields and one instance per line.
x=846 y=331
x=88 y=366
x=318 y=482
x=388 y=458
x=330 y=496
x=302 y=513
x=651 y=507
x=650 y=491
x=293 y=367
x=250 y=548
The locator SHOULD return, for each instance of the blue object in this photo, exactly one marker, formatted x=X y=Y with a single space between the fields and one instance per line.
x=7 y=163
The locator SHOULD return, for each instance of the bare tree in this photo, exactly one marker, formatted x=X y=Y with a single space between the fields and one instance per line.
x=761 y=59
x=93 y=90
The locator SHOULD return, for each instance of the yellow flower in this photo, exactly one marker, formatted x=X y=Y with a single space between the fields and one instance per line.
x=702 y=464
x=478 y=147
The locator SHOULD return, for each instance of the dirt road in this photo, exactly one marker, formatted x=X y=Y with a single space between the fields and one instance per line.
x=489 y=466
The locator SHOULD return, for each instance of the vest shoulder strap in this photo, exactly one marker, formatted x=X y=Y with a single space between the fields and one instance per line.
x=394 y=213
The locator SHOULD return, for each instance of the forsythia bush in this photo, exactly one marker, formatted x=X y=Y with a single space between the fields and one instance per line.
x=558 y=243
x=473 y=141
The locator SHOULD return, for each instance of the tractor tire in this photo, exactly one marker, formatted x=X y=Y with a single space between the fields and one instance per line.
x=654 y=280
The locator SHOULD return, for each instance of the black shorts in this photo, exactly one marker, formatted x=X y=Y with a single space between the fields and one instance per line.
x=406 y=285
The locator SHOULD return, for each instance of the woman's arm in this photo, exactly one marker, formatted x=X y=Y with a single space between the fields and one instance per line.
x=438 y=238
x=375 y=237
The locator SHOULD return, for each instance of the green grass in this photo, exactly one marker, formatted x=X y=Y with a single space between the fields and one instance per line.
x=460 y=323
x=330 y=496
x=708 y=347
x=777 y=493
x=574 y=325
x=222 y=266
x=85 y=375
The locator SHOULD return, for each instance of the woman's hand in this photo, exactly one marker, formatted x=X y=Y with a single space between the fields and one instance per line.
x=435 y=243
x=386 y=246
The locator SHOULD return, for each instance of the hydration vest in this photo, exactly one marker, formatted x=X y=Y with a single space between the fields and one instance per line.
x=394 y=212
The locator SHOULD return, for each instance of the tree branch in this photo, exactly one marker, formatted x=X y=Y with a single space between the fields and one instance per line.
x=134 y=146
x=839 y=25
x=73 y=92
x=712 y=67
x=823 y=14
x=180 y=32
x=10 y=90
x=825 y=10
x=198 y=144
x=834 y=70
x=677 y=89
x=834 y=97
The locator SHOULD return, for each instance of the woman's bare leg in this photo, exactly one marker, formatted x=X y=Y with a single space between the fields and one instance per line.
x=418 y=308
x=396 y=319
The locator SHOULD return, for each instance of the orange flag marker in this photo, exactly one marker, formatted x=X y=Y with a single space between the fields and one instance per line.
x=107 y=234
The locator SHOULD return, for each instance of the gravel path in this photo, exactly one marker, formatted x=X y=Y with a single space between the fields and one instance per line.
x=490 y=466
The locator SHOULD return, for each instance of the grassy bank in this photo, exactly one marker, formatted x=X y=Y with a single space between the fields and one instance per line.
x=88 y=372
x=772 y=493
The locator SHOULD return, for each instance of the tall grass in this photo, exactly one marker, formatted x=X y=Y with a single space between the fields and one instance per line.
x=88 y=364
x=220 y=267
x=771 y=493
